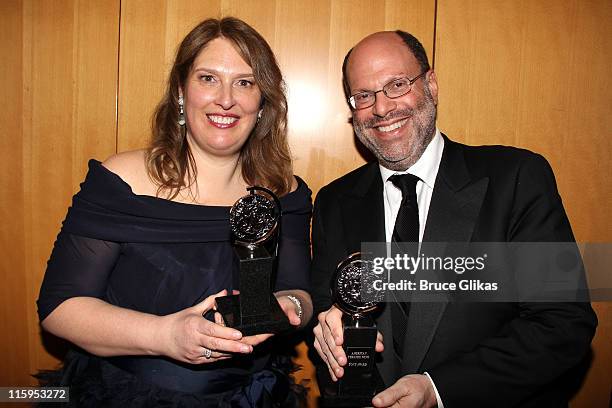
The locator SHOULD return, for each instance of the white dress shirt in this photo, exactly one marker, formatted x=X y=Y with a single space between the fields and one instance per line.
x=426 y=168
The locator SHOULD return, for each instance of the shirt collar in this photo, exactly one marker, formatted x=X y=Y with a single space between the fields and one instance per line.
x=426 y=168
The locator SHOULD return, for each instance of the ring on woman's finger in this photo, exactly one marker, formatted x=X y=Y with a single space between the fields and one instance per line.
x=207 y=353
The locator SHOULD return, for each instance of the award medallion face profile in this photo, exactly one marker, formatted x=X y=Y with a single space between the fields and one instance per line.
x=352 y=289
x=254 y=217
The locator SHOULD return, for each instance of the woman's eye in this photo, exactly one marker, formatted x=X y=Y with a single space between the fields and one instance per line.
x=245 y=83
x=207 y=78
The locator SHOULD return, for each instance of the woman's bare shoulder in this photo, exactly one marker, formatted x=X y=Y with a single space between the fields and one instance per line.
x=131 y=167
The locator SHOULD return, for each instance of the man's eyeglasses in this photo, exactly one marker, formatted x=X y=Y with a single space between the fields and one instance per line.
x=394 y=89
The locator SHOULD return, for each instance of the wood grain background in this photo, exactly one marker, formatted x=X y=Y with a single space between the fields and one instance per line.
x=80 y=79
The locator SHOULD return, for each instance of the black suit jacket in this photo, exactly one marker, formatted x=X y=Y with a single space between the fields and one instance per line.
x=478 y=354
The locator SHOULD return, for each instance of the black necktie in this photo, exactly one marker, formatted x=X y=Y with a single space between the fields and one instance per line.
x=407 y=222
x=406 y=230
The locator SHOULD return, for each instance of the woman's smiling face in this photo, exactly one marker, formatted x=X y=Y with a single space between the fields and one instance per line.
x=221 y=100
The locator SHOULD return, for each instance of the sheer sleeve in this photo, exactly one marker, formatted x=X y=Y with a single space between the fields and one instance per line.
x=79 y=266
x=294 y=250
x=293 y=265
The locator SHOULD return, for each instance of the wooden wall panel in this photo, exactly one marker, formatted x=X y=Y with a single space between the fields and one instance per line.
x=95 y=97
x=416 y=17
x=142 y=65
x=261 y=15
x=13 y=308
x=61 y=84
x=536 y=74
x=302 y=45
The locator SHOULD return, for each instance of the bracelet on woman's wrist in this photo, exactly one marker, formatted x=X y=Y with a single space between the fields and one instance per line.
x=298 y=305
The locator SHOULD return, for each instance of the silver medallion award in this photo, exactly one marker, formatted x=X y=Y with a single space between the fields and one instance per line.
x=353 y=293
x=255 y=221
x=254 y=218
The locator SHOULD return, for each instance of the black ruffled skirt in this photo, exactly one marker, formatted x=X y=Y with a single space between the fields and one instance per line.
x=100 y=382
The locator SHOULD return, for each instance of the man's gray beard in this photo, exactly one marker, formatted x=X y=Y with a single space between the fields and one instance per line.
x=423 y=119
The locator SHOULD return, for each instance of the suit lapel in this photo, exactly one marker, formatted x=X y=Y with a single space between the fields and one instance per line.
x=453 y=212
x=363 y=215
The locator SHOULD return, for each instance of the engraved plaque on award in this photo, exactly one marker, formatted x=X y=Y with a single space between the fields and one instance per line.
x=254 y=221
x=353 y=293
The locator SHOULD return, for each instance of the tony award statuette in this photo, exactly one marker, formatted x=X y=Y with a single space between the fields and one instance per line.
x=353 y=293
x=254 y=221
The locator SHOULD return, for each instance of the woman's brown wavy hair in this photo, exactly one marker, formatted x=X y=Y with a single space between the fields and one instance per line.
x=265 y=156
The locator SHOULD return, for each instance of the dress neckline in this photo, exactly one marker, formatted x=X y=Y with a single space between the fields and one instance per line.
x=290 y=201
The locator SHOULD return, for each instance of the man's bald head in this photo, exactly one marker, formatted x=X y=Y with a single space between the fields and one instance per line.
x=407 y=39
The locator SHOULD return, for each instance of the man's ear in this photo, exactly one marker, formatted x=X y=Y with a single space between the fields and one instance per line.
x=432 y=82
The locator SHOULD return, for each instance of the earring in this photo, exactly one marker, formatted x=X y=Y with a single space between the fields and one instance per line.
x=181 y=118
x=259 y=114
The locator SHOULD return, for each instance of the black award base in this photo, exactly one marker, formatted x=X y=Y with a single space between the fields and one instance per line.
x=274 y=322
x=361 y=380
x=255 y=310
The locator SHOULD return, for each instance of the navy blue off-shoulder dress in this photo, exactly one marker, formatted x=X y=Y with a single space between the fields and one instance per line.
x=157 y=256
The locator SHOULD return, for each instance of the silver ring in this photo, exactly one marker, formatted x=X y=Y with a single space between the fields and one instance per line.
x=207 y=353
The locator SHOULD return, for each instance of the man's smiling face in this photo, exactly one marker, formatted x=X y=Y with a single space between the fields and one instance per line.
x=397 y=131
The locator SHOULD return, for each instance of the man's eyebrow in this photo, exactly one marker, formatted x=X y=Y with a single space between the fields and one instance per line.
x=391 y=78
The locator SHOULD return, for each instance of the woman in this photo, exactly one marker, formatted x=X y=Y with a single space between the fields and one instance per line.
x=145 y=248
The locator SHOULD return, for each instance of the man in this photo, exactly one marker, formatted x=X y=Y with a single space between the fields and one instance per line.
x=452 y=353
